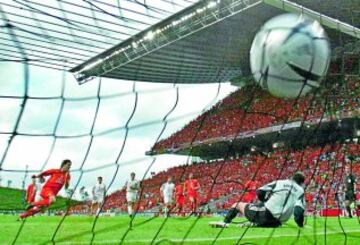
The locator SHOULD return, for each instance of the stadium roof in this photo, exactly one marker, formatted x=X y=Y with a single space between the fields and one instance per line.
x=182 y=41
x=62 y=34
x=208 y=41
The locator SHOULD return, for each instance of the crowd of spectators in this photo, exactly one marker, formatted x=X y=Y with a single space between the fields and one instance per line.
x=247 y=109
x=225 y=180
x=251 y=108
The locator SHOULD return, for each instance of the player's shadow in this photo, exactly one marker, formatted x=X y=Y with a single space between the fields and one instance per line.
x=104 y=230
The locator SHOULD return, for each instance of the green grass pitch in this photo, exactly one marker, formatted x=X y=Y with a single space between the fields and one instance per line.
x=13 y=199
x=158 y=230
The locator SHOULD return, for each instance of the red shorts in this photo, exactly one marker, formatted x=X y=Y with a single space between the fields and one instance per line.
x=180 y=200
x=48 y=192
x=192 y=195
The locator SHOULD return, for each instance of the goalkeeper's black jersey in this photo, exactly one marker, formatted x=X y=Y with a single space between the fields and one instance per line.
x=350 y=181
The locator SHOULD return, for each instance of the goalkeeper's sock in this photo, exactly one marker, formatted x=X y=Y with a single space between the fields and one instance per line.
x=231 y=215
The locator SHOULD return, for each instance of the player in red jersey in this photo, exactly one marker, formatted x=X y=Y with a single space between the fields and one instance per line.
x=358 y=202
x=191 y=188
x=179 y=198
x=250 y=191
x=58 y=178
x=31 y=191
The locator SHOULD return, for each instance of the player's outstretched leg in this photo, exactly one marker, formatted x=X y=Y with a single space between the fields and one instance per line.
x=231 y=214
x=37 y=206
x=32 y=211
x=46 y=201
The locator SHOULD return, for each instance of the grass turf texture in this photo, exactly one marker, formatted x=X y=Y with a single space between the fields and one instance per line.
x=111 y=230
x=13 y=199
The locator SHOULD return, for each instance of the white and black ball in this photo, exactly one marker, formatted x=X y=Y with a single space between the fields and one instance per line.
x=290 y=55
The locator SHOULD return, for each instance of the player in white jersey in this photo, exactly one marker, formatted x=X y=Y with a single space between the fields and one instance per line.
x=98 y=193
x=167 y=193
x=132 y=188
x=279 y=200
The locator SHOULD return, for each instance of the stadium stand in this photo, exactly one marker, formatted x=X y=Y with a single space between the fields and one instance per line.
x=230 y=116
x=324 y=167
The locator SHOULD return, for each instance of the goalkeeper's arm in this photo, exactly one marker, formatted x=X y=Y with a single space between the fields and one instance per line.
x=299 y=211
x=263 y=193
x=299 y=216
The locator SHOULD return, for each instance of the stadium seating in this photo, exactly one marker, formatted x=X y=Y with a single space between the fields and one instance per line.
x=247 y=109
x=251 y=108
x=226 y=179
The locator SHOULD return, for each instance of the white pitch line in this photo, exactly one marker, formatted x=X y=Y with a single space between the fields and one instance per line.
x=203 y=239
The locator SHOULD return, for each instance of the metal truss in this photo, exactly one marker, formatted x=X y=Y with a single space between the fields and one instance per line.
x=194 y=19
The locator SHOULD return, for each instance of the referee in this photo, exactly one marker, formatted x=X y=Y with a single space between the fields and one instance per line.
x=350 y=184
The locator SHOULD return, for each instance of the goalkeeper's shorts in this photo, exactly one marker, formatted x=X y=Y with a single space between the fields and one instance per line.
x=260 y=215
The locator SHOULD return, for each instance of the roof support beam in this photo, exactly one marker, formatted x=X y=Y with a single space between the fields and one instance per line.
x=187 y=22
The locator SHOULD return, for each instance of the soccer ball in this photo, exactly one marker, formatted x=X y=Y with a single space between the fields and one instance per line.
x=290 y=55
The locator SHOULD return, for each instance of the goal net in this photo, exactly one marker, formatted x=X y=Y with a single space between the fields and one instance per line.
x=233 y=138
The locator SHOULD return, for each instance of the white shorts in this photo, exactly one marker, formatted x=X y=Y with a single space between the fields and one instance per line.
x=130 y=196
x=168 y=200
x=98 y=199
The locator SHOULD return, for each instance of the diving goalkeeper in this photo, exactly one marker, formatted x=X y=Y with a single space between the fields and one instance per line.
x=279 y=200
